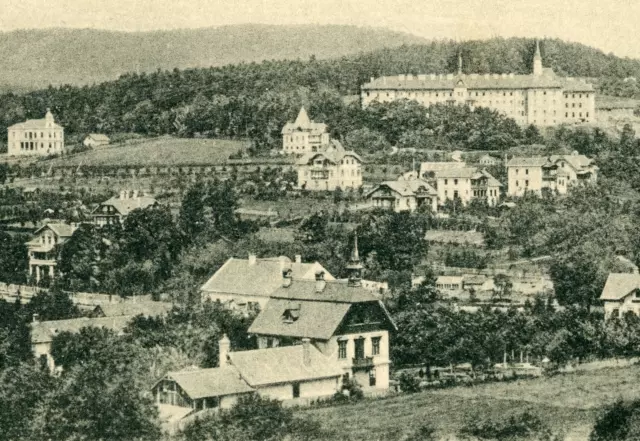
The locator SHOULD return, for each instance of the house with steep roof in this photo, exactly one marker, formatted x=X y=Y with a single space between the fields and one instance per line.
x=247 y=284
x=304 y=135
x=329 y=169
x=345 y=322
x=36 y=137
x=43 y=332
x=429 y=170
x=404 y=195
x=96 y=140
x=114 y=211
x=488 y=160
x=542 y=97
x=621 y=294
x=44 y=248
x=467 y=184
x=555 y=173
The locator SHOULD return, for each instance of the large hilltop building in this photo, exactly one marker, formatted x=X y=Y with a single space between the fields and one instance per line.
x=36 y=137
x=541 y=98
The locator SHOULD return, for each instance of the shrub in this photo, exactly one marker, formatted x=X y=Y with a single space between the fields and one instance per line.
x=524 y=425
x=409 y=383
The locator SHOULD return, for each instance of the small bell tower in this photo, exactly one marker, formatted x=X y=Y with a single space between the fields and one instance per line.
x=537 y=61
x=355 y=267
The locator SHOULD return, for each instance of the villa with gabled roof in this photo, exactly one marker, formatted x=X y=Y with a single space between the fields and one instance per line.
x=621 y=294
x=329 y=169
x=304 y=135
x=43 y=249
x=114 y=211
x=36 y=137
x=404 y=195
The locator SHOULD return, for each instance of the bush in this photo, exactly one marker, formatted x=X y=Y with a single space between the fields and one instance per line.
x=409 y=383
x=524 y=425
x=619 y=422
x=424 y=432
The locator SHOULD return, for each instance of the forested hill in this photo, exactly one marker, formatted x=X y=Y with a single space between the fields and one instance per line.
x=256 y=99
x=32 y=59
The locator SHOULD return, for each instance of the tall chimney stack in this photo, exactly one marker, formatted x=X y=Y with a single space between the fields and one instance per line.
x=306 y=351
x=252 y=259
x=224 y=347
x=320 y=282
x=298 y=258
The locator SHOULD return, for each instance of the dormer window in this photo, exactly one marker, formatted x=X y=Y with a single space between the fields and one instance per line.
x=291 y=314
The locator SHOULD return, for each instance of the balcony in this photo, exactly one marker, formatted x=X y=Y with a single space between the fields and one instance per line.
x=362 y=363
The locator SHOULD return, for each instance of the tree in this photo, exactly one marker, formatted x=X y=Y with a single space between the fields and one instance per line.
x=192 y=215
x=619 y=422
x=366 y=140
x=14 y=258
x=78 y=261
x=532 y=135
x=53 y=304
x=313 y=229
x=22 y=389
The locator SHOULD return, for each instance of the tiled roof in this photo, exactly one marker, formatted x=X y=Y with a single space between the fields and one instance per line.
x=535 y=161
x=578 y=162
x=469 y=173
x=126 y=206
x=407 y=187
x=474 y=279
x=332 y=155
x=476 y=81
x=436 y=167
x=317 y=320
x=619 y=285
x=238 y=276
x=215 y=382
x=43 y=332
x=283 y=365
x=146 y=308
x=448 y=280
x=303 y=123
x=334 y=291
x=59 y=228
x=33 y=124
x=98 y=137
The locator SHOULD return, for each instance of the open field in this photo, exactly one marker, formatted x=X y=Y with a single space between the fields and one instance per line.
x=165 y=151
x=568 y=403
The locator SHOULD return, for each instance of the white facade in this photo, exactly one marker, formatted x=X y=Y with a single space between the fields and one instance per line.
x=467 y=184
x=304 y=136
x=326 y=171
x=36 y=137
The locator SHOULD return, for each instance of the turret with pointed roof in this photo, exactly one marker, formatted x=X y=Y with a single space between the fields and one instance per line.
x=537 y=61
x=304 y=135
x=302 y=120
x=355 y=267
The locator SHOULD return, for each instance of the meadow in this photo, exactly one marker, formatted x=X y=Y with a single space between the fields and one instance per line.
x=569 y=403
x=163 y=151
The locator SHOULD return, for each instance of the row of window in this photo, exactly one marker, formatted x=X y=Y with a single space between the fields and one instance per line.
x=34 y=135
x=358 y=347
x=318 y=173
x=30 y=145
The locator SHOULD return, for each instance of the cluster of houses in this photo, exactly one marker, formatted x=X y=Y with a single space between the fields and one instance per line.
x=44 y=248
x=313 y=333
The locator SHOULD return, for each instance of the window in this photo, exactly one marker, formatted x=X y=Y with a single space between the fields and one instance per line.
x=526 y=183
x=372 y=377
x=446 y=182
x=359 y=348
x=296 y=390
x=526 y=171
x=455 y=182
x=342 y=349
x=375 y=343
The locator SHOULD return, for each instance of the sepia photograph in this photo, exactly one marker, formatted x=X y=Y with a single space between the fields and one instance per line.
x=297 y=220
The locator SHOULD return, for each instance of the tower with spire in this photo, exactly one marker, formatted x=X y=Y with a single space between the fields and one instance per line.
x=537 y=61
x=459 y=62
x=355 y=267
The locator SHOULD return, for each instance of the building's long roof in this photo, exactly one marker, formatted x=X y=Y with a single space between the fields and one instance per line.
x=407 y=187
x=262 y=367
x=304 y=124
x=59 y=228
x=43 y=332
x=262 y=278
x=214 y=382
x=578 y=162
x=317 y=320
x=436 y=167
x=98 y=137
x=131 y=308
x=126 y=206
x=469 y=173
x=478 y=81
x=620 y=285
x=337 y=291
x=34 y=124
x=332 y=155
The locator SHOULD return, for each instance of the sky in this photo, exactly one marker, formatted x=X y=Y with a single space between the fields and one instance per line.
x=606 y=24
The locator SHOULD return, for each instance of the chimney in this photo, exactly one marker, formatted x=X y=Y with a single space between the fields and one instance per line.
x=36 y=318
x=298 y=258
x=286 y=278
x=320 y=282
x=306 y=351
x=252 y=259
x=224 y=347
x=123 y=194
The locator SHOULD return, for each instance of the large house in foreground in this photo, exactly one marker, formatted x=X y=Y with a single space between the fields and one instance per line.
x=553 y=173
x=249 y=283
x=621 y=294
x=541 y=98
x=44 y=248
x=36 y=137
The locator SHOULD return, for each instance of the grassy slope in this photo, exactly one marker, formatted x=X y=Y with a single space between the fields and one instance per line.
x=164 y=151
x=569 y=403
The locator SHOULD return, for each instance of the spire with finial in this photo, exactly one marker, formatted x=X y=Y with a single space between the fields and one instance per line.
x=459 y=62
x=355 y=267
x=537 y=60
